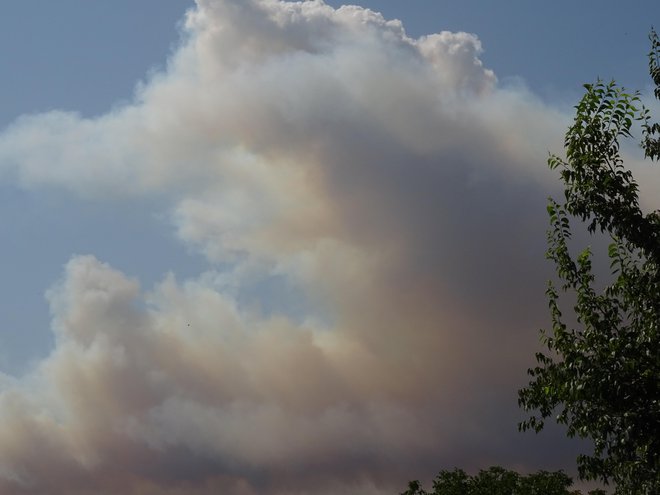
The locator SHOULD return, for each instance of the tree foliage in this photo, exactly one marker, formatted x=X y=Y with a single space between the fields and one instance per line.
x=601 y=375
x=498 y=481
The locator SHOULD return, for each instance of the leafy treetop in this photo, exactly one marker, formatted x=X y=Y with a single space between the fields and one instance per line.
x=498 y=481
x=601 y=376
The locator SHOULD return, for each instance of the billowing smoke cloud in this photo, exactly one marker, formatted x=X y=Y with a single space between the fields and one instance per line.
x=372 y=210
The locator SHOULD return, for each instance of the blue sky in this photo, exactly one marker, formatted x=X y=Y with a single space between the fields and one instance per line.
x=84 y=57
x=250 y=219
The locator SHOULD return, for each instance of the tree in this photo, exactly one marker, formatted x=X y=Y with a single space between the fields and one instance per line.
x=601 y=375
x=494 y=481
x=454 y=482
x=545 y=483
x=497 y=481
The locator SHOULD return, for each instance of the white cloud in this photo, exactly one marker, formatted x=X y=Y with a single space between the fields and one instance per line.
x=386 y=180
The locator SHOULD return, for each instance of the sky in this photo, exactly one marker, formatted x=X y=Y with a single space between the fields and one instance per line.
x=260 y=247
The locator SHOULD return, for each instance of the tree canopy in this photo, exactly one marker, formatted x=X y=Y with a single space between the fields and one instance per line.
x=600 y=374
x=498 y=481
